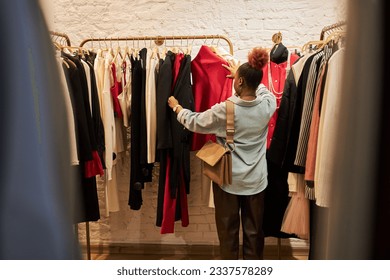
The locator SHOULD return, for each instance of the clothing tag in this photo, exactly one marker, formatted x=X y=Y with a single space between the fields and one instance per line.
x=191 y=78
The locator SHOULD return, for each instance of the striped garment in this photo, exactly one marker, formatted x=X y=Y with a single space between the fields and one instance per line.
x=317 y=64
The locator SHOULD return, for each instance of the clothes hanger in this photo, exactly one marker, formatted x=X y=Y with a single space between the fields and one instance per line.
x=105 y=48
x=117 y=52
x=65 y=63
x=59 y=47
x=72 y=50
x=189 y=46
x=68 y=63
x=319 y=44
x=334 y=37
x=181 y=48
x=126 y=53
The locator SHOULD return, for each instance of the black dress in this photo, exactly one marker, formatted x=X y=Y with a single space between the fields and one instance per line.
x=140 y=170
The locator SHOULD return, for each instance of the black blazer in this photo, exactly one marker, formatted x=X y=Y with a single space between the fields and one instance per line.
x=181 y=137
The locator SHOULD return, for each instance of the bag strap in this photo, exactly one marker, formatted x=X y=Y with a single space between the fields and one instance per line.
x=229 y=121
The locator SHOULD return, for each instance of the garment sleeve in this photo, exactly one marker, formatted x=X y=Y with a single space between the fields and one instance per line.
x=266 y=96
x=211 y=121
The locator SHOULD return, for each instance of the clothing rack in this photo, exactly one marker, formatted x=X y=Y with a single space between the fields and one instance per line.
x=61 y=36
x=65 y=41
x=339 y=26
x=160 y=40
x=330 y=28
x=333 y=29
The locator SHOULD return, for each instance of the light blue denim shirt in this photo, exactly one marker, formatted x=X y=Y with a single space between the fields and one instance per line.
x=251 y=126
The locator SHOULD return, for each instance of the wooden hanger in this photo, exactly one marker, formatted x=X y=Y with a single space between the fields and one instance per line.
x=319 y=44
x=79 y=50
x=69 y=63
x=117 y=53
x=66 y=63
x=57 y=46
x=334 y=37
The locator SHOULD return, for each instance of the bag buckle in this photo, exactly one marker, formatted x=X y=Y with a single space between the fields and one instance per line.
x=227 y=146
x=230 y=131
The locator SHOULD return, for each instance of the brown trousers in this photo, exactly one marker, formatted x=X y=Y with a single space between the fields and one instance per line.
x=229 y=210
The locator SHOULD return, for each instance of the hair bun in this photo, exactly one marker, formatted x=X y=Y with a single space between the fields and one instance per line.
x=258 y=57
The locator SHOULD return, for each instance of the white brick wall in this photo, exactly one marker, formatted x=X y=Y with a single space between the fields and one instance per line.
x=247 y=23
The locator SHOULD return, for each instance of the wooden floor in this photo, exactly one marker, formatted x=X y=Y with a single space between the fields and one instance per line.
x=181 y=252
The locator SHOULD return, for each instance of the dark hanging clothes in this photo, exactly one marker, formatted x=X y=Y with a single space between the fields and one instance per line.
x=296 y=121
x=136 y=184
x=276 y=201
x=94 y=166
x=90 y=57
x=164 y=138
x=75 y=90
x=143 y=130
x=282 y=133
x=282 y=151
x=174 y=79
x=277 y=192
x=84 y=93
x=163 y=91
x=96 y=115
x=140 y=171
x=89 y=197
x=181 y=137
x=161 y=186
x=89 y=208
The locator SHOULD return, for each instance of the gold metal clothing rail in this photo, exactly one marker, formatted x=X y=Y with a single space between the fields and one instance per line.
x=159 y=40
x=337 y=26
x=62 y=36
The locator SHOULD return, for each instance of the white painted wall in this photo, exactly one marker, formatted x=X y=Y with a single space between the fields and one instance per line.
x=247 y=23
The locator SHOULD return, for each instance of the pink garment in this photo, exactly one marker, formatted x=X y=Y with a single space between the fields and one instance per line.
x=116 y=89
